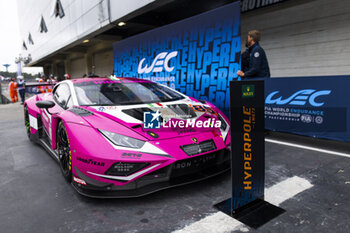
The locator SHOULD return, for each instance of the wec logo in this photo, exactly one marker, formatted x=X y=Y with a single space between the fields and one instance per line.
x=160 y=61
x=299 y=98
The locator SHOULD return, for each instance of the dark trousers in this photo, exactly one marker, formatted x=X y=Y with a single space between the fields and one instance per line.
x=22 y=93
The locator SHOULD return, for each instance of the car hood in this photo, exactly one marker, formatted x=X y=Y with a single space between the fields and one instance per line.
x=131 y=117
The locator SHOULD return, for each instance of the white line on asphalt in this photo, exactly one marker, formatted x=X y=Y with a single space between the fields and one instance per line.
x=307 y=147
x=286 y=189
x=220 y=222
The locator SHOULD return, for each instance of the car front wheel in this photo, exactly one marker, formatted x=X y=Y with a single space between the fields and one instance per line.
x=64 y=152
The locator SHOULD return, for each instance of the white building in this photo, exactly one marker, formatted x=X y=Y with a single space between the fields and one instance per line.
x=72 y=36
x=300 y=37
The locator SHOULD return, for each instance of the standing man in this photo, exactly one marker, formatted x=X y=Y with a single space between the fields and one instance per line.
x=13 y=90
x=258 y=64
x=67 y=76
x=42 y=89
x=21 y=87
x=245 y=58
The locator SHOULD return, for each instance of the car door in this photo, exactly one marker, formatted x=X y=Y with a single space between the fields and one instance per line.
x=63 y=100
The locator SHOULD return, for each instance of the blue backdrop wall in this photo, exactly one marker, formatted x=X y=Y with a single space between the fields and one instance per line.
x=197 y=56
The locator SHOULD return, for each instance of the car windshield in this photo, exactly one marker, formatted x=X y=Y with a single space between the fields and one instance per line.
x=122 y=93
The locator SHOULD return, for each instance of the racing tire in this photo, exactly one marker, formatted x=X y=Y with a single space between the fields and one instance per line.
x=64 y=152
x=26 y=122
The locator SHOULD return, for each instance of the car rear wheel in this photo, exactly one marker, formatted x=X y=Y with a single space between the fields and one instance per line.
x=26 y=121
x=64 y=152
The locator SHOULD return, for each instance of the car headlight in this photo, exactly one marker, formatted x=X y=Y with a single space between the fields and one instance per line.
x=223 y=123
x=121 y=140
x=224 y=127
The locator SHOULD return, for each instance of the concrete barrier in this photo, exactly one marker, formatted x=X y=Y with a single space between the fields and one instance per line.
x=3 y=91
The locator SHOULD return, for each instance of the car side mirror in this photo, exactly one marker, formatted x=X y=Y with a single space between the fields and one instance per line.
x=45 y=104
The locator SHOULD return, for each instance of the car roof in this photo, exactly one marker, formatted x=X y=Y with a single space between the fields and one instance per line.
x=90 y=79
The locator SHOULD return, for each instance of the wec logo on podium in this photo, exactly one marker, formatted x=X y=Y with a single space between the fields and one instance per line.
x=299 y=98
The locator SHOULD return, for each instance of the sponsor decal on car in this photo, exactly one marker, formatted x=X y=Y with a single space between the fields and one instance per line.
x=183 y=130
x=132 y=155
x=90 y=161
x=111 y=107
x=196 y=162
x=101 y=109
x=203 y=108
x=156 y=105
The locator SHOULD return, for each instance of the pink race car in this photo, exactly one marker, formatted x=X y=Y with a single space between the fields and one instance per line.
x=127 y=137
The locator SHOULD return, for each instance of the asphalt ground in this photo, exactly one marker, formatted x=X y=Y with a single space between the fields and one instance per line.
x=34 y=197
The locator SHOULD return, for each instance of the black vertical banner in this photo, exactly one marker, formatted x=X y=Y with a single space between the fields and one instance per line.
x=247 y=141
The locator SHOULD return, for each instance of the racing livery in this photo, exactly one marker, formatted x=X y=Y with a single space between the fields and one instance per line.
x=95 y=128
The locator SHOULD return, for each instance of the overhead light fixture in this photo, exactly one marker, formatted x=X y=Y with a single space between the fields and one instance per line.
x=121 y=24
x=85 y=41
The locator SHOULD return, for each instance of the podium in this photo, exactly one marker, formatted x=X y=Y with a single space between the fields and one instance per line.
x=247 y=204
